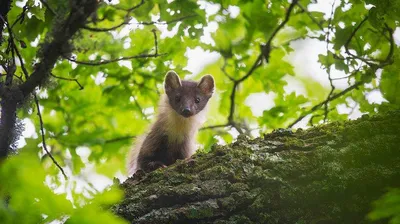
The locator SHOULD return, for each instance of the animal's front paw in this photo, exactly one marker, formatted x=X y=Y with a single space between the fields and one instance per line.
x=139 y=174
x=190 y=162
x=155 y=165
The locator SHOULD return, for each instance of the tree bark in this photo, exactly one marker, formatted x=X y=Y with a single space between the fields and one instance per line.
x=7 y=125
x=61 y=33
x=327 y=174
x=5 y=6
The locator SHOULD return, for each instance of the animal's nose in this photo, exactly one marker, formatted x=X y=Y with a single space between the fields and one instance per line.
x=186 y=111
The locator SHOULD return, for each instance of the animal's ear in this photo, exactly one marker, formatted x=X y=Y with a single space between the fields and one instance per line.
x=206 y=85
x=172 y=81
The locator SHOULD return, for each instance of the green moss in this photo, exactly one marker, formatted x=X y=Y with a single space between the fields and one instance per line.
x=202 y=210
x=328 y=174
x=217 y=172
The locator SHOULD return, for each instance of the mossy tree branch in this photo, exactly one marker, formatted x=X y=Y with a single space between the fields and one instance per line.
x=52 y=50
x=327 y=174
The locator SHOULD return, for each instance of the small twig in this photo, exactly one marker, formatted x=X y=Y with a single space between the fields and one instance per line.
x=68 y=79
x=125 y=22
x=11 y=67
x=353 y=108
x=155 y=40
x=96 y=63
x=326 y=109
x=223 y=69
x=237 y=127
x=229 y=124
x=25 y=71
x=120 y=139
x=352 y=74
x=21 y=16
x=52 y=47
x=267 y=47
x=389 y=58
x=134 y=7
x=96 y=29
x=5 y=7
x=232 y=106
x=311 y=16
x=166 y=22
x=287 y=17
x=377 y=63
x=216 y=126
x=344 y=77
x=256 y=64
x=139 y=107
x=264 y=54
x=314 y=108
x=346 y=45
x=14 y=46
x=311 y=121
x=380 y=63
x=44 y=139
x=328 y=66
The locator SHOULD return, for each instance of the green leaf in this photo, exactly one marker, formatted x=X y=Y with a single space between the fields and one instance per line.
x=37 y=11
x=387 y=207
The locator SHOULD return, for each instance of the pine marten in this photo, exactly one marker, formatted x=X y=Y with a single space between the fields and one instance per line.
x=172 y=136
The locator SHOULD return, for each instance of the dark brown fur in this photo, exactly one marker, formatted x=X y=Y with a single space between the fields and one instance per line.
x=160 y=152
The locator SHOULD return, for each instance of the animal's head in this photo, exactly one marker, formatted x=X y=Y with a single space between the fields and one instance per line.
x=188 y=98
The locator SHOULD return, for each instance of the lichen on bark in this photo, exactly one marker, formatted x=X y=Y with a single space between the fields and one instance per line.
x=327 y=174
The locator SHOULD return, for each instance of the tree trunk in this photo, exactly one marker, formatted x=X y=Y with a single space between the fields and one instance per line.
x=327 y=174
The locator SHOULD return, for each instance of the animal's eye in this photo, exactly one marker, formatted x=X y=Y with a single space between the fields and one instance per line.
x=197 y=100
x=177 y=98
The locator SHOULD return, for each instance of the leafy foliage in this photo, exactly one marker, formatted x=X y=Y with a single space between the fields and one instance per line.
x=387 y=207
x=104 y=90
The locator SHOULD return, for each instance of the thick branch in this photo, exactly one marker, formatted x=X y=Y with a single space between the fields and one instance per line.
x=5 y=6
x=9 y=95
x=51 y=51
x=7 y=133
x=327 y=174
x=7 y=124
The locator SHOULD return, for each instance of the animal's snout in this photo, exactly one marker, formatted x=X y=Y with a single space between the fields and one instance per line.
x=186 y=112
